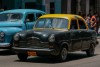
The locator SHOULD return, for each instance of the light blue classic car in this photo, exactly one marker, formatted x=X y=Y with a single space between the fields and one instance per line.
x=13 y=21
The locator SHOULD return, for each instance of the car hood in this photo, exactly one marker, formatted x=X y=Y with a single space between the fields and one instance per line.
x=10 y=27
x=10 y=24
x=42 y=34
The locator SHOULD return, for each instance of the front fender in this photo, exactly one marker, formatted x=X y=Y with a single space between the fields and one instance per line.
x=9 y=33
x=63 y=39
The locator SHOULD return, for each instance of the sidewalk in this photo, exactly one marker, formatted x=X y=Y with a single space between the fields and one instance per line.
x=98 y=37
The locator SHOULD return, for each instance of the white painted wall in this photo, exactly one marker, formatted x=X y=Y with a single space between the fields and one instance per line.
x=69 y=6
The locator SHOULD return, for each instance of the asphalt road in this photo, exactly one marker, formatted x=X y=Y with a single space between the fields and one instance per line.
x=76 y=59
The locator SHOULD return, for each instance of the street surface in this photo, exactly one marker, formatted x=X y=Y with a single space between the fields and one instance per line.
x=76 y=59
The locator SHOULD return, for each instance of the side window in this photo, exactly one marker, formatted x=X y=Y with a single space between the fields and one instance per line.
x=30 y=18
x=38 y=15
x=73 y=24
x=81 y=24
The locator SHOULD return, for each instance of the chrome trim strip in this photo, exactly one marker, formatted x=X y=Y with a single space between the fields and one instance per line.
x=33 y=38
x=46 y=49
x=82 y=38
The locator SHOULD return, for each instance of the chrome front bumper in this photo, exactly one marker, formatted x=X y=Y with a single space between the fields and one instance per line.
x=30 y=49
x=40 y=52
x=4 y=45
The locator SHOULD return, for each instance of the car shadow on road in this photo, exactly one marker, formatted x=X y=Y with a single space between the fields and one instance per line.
x=52 y=60
x=6 y=52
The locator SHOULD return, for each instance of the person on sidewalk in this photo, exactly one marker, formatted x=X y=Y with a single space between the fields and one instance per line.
x=93 y=21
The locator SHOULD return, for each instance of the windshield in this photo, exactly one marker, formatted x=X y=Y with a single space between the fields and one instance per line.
x=52 y=23
x=10 y=17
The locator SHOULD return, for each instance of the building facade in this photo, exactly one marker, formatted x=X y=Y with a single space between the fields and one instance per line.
x=73 y=6
x=22 y=4
x=54 y=6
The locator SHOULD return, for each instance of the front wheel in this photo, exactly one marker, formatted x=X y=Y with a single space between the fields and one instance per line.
x=63 y=54
x=90 y=51
x=22 y=57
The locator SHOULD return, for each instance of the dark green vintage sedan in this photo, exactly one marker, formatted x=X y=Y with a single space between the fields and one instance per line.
x=55 y=35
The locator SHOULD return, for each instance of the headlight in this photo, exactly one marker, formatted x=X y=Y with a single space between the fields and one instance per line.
x=16 y=37
x=2 y=34
x=51 y=38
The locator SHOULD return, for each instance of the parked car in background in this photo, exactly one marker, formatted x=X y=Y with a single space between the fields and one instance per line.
x=55 y=35
x=13 y=21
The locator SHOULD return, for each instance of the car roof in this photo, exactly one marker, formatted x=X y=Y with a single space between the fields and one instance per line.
x=22 y=11
x=66 y=16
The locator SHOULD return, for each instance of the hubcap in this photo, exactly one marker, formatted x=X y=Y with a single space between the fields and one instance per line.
x=64 y=54
x=92 y=50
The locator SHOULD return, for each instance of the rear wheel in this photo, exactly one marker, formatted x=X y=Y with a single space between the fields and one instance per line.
x=90 y=51
x=63 y=54
x=22 y=57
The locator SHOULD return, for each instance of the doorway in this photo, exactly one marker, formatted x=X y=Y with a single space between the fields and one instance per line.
x=64 y=6
x=52 y=7
x=93 y=5
x=1 y=6
x=30 y=5
x=74 y=6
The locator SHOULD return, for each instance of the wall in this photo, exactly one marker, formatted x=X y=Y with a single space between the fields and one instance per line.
x=57 y=6
x=18 y=4
x=61 y=6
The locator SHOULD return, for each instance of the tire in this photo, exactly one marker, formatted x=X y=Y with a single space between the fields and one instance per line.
x=90 y=51
x=63 y=54
x=22 y=57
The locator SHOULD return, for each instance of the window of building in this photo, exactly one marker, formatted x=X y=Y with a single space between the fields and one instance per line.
x=0 y=3
x=52 y=7
x=1 y=6
x=92 y=4
x=74 y=6
x=30 y=5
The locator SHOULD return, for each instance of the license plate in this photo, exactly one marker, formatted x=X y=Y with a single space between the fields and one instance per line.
x=31 y=53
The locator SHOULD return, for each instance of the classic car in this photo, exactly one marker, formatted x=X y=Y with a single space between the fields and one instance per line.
x=55 y=35
x=16 y=20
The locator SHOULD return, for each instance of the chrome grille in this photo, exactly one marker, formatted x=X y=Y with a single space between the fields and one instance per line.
x=33 y=42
